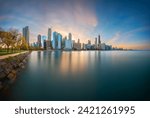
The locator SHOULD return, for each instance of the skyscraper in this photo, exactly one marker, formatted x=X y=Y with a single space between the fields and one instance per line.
x=49 y=43
x=89 y=42
x=70 y=36
x=59 y=46
x=44 y=44
x=96 y=41
x=68 y=44
x=99 y=39
x=77 y=46
x=39 y=41
x=49 y=34
x=25 y=32
x=78 y=40
x=99 y=42
x=55 y=41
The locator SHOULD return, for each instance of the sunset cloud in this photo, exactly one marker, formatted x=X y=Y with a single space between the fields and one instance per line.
x=85 y=19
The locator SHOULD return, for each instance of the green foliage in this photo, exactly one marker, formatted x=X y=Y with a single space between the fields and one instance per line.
x=12 y=39
x=24 y=44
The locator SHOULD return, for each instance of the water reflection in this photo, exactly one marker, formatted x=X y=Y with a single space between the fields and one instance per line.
x=73 y=63
x=83 y=75
x=64 y=62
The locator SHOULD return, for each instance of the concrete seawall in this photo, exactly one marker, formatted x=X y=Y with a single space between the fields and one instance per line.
x=9 y=67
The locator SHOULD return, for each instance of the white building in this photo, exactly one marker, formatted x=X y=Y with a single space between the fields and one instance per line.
x=68 y=44
x=103 y=46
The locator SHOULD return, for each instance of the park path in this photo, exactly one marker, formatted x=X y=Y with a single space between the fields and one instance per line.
x=11 y=55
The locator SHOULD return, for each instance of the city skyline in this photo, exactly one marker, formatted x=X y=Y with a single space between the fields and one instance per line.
x=126 y=27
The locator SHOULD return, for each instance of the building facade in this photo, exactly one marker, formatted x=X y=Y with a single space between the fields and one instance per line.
x=25 y=32
x=70 y=36
x=39 y=41
x=68 y=44
x=57 y=40
x=44 y=44
x=50 y=37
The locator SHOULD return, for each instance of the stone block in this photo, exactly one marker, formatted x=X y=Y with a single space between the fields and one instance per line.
x=11 y=76
x=2 y=75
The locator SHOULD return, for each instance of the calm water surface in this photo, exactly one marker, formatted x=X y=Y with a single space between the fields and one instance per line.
x=84 y=75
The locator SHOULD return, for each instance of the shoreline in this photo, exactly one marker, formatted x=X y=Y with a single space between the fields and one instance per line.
x=11 y=55
x=10 y=66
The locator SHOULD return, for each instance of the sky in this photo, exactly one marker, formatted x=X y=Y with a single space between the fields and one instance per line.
x=121 y=23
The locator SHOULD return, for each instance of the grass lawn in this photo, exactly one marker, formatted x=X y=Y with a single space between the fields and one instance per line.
x=4 y=52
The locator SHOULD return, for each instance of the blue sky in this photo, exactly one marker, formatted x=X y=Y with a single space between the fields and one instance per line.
x=122 y=23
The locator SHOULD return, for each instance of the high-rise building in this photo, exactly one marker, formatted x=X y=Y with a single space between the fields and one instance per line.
x=25 y=32
x=77 y=46
x=78 y=40
x=99 y=42
x=96 y=41
x=89 y=42
x=99 y=39
x=49 y=34
x=63 y=42
x=57 y=40
x=103 y=46
x=68 y=44
x=47 y=44
x=49 y=37
x=44 y=44
x=59 y=46
x=70 y=36
x=95 y=46
x=39 y=41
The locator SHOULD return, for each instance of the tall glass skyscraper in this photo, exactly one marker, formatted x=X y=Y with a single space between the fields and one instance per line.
x=99 y=42
x=39 y=41
x=25 y=33
x=49 y=34
x=57 y=40
x=49 y=44
x=96 y=41
x=99 y=39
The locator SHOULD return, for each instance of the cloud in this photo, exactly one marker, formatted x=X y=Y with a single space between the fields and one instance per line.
x=130 y=39
x=140 y=29
x=137 y=46
x=77 y=19
x=114 y=39
x=64 y=16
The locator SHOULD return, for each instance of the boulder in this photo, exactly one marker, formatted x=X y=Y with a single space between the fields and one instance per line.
x=14 y=65
x=7 y=70
x=14 y=72
x=1 y=70
x=2 y=75
x=11 y=76
x=3 y=64
x=1 y=86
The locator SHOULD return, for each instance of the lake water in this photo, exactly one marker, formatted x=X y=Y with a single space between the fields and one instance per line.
x=83 y=75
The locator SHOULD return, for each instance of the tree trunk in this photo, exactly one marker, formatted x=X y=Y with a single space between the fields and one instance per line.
x=7 y=49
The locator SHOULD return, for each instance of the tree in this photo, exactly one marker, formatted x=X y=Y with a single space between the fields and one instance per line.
x=14 y=37
x=6 y=39
x=24 y=44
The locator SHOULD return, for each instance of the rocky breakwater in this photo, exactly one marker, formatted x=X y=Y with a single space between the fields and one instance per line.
x=9 y=67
